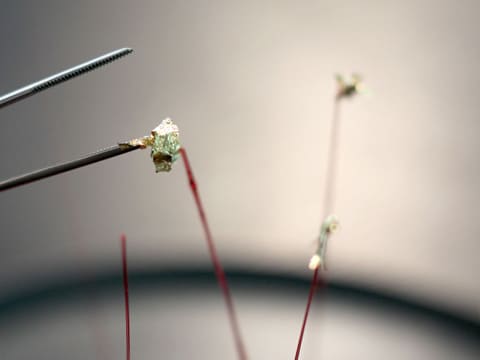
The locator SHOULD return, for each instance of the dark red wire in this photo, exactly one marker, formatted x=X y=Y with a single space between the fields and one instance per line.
x=220 y=274
x=313 y=287
x=123 y=240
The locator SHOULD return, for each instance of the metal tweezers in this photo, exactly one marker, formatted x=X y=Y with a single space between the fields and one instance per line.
x=29 y=90
x=36 y=87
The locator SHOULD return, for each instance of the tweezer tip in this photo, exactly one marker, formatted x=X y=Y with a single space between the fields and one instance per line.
x=126 y=50
x=118 y=53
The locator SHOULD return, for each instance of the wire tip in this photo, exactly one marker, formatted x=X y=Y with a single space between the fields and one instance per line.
x=315 y=262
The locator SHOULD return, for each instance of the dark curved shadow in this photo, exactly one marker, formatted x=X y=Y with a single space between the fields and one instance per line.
x=202 y=279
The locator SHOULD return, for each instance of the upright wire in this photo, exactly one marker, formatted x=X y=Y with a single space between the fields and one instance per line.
x=219 y=272
x=327 y=208
x=313 y=287
x=332 y=160
x=123 y=241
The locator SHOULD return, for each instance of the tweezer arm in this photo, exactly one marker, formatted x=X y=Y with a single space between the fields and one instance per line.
x=67 y=166
x=63 y=76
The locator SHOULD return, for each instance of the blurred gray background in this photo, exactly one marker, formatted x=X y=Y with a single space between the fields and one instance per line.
x=250 y=84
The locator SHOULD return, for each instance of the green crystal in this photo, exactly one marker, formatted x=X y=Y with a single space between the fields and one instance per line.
x=165 y=146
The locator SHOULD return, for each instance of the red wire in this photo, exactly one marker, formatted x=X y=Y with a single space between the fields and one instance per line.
x=328 y=205
x=313 y=287
x=220 y=274
x=123 y=240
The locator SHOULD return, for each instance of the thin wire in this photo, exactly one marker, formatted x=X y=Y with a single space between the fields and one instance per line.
x=313 y=287
x=65 y=167
x=327 y=206
x=220 y=274
x=332 y=160
x=123 y=240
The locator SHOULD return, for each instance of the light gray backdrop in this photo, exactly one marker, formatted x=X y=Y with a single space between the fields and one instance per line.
x=250 y=85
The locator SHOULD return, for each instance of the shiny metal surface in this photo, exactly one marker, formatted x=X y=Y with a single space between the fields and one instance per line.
x=36 y=87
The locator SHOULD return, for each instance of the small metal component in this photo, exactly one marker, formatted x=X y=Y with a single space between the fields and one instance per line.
x=165 y=143
x=63 y=76
x=349 y=88
x=329 y=225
